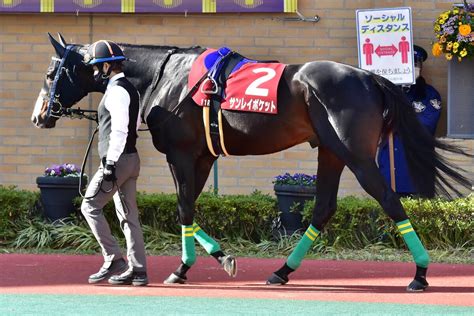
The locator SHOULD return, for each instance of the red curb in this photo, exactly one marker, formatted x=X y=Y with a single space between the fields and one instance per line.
x=323 y=280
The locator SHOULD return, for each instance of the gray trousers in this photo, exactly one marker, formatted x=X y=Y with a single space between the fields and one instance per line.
x=127 y=171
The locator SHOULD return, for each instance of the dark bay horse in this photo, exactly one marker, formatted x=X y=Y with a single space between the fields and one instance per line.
x=342 y=110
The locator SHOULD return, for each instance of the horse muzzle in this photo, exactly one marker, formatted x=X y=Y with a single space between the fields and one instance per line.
x=39 y=117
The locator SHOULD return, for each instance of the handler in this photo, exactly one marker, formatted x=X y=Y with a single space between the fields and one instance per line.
x=426 y=102
x=117 y=175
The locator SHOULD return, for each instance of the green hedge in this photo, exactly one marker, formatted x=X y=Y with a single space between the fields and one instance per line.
x=247 y=216
x=439 y=223
x=15 y=206
x=358 y=222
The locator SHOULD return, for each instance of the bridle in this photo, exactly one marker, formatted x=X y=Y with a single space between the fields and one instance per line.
x=55 y=108
x=53 y=98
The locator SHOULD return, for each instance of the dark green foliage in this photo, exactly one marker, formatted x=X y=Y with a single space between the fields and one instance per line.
x=442 y=222
x=241 y=220
x=247 y=216
x=439 y=223
x=231 y=216
x=15 y=205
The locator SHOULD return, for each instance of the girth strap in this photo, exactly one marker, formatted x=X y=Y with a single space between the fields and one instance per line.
x=216 y=134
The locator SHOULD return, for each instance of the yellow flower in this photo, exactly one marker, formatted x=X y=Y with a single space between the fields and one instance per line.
x=455 y=11
x=436 y=50
x=442 y=39
x=449 y=45
x=463 y=53
x=449 y=56
x=437 y=28
x=441 y=22
x=465 y=29
x=455 y=45
x=445 y=16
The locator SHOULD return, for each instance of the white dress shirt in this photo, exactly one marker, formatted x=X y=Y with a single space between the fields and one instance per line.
x=117 y=102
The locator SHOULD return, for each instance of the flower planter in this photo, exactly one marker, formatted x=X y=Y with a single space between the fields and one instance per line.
x=57 y=194
x=291 y=199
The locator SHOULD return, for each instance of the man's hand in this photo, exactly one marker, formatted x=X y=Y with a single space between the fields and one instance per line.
x=109 y=171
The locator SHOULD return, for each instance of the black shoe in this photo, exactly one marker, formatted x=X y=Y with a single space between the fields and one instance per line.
x=109 y=268
x=136 y=278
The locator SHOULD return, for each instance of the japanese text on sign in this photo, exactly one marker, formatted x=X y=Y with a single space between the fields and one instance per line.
x=385 y=43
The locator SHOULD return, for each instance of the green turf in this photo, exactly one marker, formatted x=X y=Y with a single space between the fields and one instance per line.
x=35 y=304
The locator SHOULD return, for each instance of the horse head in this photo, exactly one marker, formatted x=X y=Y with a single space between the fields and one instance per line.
x=66 y=82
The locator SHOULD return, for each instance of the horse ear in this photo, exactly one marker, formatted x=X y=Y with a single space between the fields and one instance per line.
x=62 y=40
x=57 y=46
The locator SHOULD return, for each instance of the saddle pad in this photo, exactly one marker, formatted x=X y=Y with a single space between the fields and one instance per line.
x=251 y=87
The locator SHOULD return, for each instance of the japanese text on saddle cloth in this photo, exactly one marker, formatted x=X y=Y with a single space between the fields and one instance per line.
x=234 y=83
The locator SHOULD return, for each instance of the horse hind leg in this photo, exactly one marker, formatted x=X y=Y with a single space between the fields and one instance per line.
x=373 y=183
x=360 y=158
x=329 y=172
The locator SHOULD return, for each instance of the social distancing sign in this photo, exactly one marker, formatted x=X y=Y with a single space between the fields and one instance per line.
x=385 y=43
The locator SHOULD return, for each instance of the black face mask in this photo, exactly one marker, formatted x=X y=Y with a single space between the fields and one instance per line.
x=100 y=84
x=101 y=79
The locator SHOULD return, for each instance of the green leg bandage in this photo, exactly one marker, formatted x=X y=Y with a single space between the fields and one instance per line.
x=417 y=250
x=294 y=260
x=187 y=239
x=206 y=242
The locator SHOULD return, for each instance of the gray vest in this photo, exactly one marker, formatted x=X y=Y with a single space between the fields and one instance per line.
x=105 y=120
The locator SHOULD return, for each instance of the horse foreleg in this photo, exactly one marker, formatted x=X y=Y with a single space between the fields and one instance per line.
x=182 y=168
x=228 y=262
x=329 y=173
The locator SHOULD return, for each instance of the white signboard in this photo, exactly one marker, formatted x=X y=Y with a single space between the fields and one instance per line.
x=385 y=43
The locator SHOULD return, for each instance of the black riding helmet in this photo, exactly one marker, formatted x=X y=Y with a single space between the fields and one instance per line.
x=103 y=51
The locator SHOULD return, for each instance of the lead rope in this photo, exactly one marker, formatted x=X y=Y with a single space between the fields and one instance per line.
x=114 y=183
x=78 y=113
x=84 y=160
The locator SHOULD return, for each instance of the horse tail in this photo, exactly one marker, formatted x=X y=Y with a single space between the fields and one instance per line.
x=431 y=172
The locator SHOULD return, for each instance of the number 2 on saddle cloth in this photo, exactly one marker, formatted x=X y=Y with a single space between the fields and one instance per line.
x=234 y=83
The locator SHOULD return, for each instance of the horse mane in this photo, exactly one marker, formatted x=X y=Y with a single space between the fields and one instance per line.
x=161 y=47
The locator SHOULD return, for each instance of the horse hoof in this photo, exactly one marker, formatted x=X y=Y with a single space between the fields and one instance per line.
x=417 y=286
x=230 y=265
x=174 y=279
x=276 y=280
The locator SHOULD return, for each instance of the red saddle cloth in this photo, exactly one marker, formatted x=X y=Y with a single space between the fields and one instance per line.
x=252 y=87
